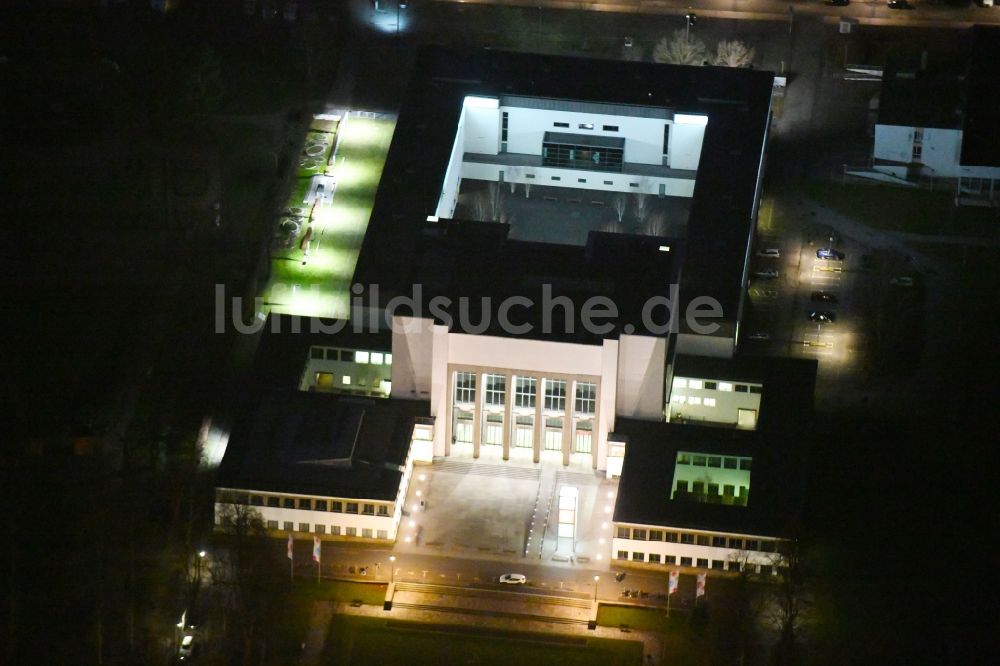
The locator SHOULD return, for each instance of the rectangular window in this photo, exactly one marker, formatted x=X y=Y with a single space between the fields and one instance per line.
x=685 y=561
x=703 y=562
x=670 y=559
x=766 y=569
x=609 y=182
x=377 y=358
x=700 y=461
x=272 y=524
x=383 y=510
x=369 y=509
x=710 y=386
x=465 y=387
x=529 y=176
x=586 y=397
x=288 y=526
x=702 y=540
x=321 y=505
x=316 y=353
x=305 y=504
x=917 y=151
x=610 y=128
x=633 y=184
x=656 y=535
x=753 y=544
x=654 y=558
x=730 y=463
x=289 y=503
x=623 y=533
x=718 y=564
x=382 y=534
x=556 y=178
x=352 y=507
x=555 y=394
x=303 y=527
x=622 y=554
x=745 y=463
x=639 y=535
x=273 y=502
x=361 y=357
x=352 y=531
x=366 y=532
x=725 y=386
x=496 y=390
x=694 y=400
x=524 y=391
x=687 y=538
x=335 y=530
x=581 y=180
x=256 y=500
x=671 y=537
x=767 y=546
x=337 y=507
x=736 y=543
x=709 y=402
x=333 y=354
x=757 y=389
x=586 y=126
x=719 y=542
x=320 y=529
x=742 y=388
x=735 y=565
x=666 y=139
x=638 y=557
x=714 y=461
x=560 y=124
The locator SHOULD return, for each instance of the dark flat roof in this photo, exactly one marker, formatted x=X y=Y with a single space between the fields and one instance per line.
x=981 y=130
x=778 y=449
x=915 y=97
x=400 y=249
x=320 y=444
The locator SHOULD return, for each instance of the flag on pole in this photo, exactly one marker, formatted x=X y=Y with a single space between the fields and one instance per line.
x=316 y=548
x=672 y=583
x=290 y=546
x=700 y=585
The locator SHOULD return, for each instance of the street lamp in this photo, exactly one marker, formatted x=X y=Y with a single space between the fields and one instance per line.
x=201 y=556
x=596 y=578
x=392 y=569
x=691 y=18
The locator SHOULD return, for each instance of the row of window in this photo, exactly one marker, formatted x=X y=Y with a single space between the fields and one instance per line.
x=682 y=382
x=701 y=562
x=737 y=543
x=587 y=126
x=335 y=530
x=350 y=356
x=336 y=506
x=692 y=400
x=525 y=392
x=531 y=176
x=721 y=462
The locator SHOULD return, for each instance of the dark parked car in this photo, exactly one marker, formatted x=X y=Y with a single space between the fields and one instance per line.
x=900 y=4
x=822 y=317
x=830 y=255
x=822 y=297
x=838 y=3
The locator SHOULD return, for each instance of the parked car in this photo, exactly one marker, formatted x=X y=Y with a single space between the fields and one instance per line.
x=829 y=255
x=186 y=648
x=837 y=3
x=900 y=4
x=902 y=281
x=760 y=335
x=628 y=42
x=822 y=297
x=770 y=273
x=822 y=317
x=769 y=253
x=513 y=579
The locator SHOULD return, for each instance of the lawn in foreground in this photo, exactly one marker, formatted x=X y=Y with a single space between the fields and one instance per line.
x=354 y=640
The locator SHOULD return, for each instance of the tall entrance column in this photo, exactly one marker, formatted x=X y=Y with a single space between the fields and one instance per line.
x=477 y=413
x=536 y=437
x=568 y=429
x=508 y=402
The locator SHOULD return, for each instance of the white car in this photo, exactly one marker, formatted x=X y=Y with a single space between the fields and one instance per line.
x=513 y=579
x=186 y=648
x=769 y=253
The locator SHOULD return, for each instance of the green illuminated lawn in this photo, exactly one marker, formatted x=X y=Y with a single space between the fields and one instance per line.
x=362 y=640
x=321 y=286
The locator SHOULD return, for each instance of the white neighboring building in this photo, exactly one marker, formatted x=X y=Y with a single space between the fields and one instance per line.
x=939 y=121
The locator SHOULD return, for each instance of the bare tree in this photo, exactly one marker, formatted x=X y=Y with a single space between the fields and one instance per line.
x=734 y=53
x=613 y=228
x=680 y=49
x=656 y=225
x=619 y=204
x=641 y=207
x=514 y=174
x=789 y=599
